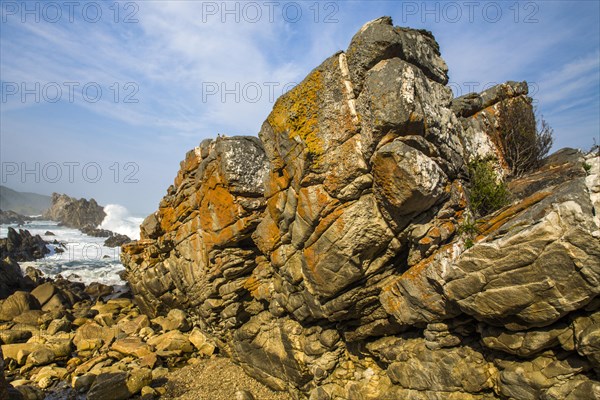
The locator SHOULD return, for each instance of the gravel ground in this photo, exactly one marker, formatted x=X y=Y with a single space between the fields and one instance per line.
x=216 y=379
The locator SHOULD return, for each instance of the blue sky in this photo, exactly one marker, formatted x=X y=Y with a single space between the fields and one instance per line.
x=172 y=73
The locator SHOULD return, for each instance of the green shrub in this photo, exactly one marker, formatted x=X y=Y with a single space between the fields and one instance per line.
x=488 y=194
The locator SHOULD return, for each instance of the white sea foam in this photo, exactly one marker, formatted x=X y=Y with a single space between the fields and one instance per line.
x=84 y=259
x=118 y=219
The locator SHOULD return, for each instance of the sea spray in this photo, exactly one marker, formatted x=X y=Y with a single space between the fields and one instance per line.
x=119 y=220
x=81 y=258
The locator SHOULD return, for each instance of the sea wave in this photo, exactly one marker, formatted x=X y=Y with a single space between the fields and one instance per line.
x=118 y=219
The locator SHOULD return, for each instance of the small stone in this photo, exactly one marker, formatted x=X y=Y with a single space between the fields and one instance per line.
x=30 y=392
x=45 y=382
x=201 y=343
x=159 y=372
x=131 y=346
x=171 y=341
x=41 y=356
x=59 y=325
x=243 y=395
x=146 y=332
x=14 y=336
x=131 y=326
x=175 y=320
x=148 y=393
x=83 y=383
x=105 y=319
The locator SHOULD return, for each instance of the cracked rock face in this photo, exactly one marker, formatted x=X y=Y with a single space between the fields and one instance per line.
x=327 y=256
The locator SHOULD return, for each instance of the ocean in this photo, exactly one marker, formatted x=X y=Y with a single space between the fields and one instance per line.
x=85 y=258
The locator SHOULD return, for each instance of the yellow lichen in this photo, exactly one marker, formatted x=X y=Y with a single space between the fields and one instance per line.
x=296 y=114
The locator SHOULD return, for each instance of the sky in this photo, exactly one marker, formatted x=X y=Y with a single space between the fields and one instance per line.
x=103 y=99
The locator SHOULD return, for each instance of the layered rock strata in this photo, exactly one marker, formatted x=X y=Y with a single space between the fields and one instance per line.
x=329 y=257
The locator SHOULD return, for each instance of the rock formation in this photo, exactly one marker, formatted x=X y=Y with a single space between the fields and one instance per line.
x=11 y=217
x=74 y=213
x=328 y=257
x=22 y=246
x=116 y=240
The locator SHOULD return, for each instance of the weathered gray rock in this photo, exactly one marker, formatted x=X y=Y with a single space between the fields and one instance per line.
x=470 y=104
x=379 y=39
x=525 y=343
x=532 y=379
x=405 y=182
x=419 y=368
x=540 y=272
x=481 y=116
x=586 y=329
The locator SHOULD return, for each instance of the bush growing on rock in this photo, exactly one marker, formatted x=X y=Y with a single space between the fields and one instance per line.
x=525 y=142
x=488 y=192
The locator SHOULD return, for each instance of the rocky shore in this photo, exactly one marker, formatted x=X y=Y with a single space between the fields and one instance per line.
x=65 y=340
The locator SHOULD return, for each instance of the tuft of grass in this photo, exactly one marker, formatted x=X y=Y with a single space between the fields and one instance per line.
x=468 y=230
x=469 y=243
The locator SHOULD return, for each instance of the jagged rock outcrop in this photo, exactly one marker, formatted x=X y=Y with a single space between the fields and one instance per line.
x=117 y=240
x=22 y=246
x=481 y=115
x=74 y=213
x=329 y=257
x=11 y=217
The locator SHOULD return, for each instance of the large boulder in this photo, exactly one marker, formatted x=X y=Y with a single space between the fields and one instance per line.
x=16 y=304
x=533 y=274
x=11 y=277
